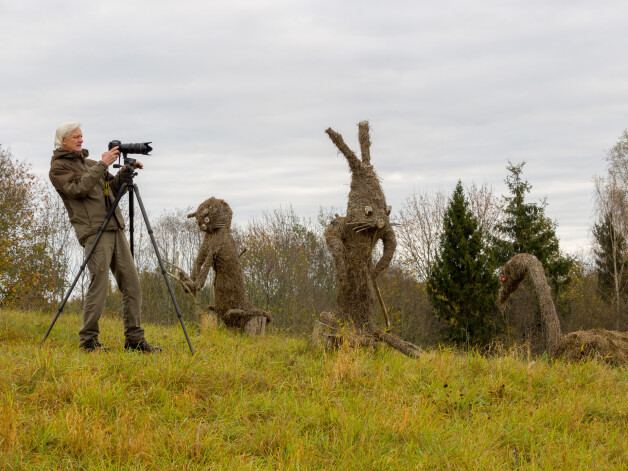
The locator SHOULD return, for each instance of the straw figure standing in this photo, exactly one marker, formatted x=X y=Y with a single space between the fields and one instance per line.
x=351 y=240
x=607 y=345
x=218 y=251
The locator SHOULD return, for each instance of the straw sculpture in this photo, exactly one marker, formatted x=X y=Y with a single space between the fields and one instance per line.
x=218 y=251
x=607 y=345
x=351 y=240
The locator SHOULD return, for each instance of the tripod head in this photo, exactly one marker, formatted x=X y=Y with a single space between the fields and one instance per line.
x=128 y=166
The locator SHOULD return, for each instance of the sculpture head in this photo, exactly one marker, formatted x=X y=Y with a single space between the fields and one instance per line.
x=212 y=214
x=512 y=274
x=366 y=208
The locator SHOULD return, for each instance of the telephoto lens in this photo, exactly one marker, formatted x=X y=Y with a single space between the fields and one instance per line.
x=143 y=148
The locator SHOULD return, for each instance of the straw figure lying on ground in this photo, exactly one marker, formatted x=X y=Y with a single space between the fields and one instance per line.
x=607 y=345
x=351 y=241
x=219 y=251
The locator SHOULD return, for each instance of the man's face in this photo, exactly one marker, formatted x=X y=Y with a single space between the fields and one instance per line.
x=73 y=141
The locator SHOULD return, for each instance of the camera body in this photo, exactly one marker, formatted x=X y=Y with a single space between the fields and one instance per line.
x=137 y=148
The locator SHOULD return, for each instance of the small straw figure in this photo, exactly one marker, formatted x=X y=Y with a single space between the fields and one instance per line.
x=351 y=241
x=219 y=252
x=608 y=346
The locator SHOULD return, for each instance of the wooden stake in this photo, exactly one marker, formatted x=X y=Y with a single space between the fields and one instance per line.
x=381 y=302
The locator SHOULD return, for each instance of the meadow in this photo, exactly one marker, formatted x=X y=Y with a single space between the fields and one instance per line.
x=283 y=402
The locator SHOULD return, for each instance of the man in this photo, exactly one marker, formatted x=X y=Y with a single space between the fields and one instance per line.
x=87 y=190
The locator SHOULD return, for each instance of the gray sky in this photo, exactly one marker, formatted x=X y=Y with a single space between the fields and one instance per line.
x=235 y=95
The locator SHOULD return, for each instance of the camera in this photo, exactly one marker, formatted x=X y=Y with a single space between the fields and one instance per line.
x=136 y=148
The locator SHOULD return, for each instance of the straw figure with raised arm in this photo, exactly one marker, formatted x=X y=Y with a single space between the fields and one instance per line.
x=607 y=345
x=219 y=251
x=351 y=240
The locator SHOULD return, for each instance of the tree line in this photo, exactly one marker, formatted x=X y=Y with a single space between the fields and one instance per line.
x=441 y=286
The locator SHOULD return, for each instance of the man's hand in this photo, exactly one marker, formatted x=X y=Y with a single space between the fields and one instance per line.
x=137 y=164
x=110 y=156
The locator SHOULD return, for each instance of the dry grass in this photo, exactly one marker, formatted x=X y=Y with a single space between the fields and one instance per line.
x=282 y=403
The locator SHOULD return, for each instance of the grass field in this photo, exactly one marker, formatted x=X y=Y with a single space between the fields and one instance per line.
x=283 y=403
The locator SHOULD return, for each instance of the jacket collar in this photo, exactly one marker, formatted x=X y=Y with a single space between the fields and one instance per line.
x=69 y=154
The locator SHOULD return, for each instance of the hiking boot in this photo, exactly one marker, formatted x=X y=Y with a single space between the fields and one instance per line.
x=141 y=346
x=92 y=345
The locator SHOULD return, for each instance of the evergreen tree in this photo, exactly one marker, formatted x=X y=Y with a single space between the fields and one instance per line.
x=610 y=260
x=526 y=229
x=461 y=283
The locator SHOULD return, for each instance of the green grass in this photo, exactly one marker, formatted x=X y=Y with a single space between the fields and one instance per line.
x=283 y=403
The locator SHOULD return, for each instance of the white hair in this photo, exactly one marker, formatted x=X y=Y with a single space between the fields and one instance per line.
x=63 y=131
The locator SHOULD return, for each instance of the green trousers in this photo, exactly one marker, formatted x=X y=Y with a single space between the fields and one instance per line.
x=112 y=253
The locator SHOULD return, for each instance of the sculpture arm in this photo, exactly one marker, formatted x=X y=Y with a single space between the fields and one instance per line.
x=197 y=278
x=352 y=159
x=333 y=237
x=390 y=244
x=201 y=265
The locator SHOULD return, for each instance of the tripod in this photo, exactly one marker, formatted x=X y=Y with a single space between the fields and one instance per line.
x=129 y=168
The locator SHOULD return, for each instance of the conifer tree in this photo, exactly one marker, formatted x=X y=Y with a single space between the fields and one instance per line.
x=526 y=229
x=462 y=283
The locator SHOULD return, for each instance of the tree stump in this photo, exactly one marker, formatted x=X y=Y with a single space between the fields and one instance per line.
x=255 y=326
x=325 y=336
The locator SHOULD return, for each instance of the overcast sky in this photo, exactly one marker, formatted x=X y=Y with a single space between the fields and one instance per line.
x=235 y=96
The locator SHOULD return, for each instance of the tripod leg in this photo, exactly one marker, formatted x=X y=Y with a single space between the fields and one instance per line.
x=131 y=227
x=161 y=263
x=87 y=257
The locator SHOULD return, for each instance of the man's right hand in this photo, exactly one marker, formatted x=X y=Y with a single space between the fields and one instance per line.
x=110 y=156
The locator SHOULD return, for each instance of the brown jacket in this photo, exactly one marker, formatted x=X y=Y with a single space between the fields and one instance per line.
x=81 y=183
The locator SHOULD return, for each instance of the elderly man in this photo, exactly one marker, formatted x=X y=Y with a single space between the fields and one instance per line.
x=88 y=190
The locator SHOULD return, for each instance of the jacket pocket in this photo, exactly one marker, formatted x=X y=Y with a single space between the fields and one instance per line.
x=81 y=219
